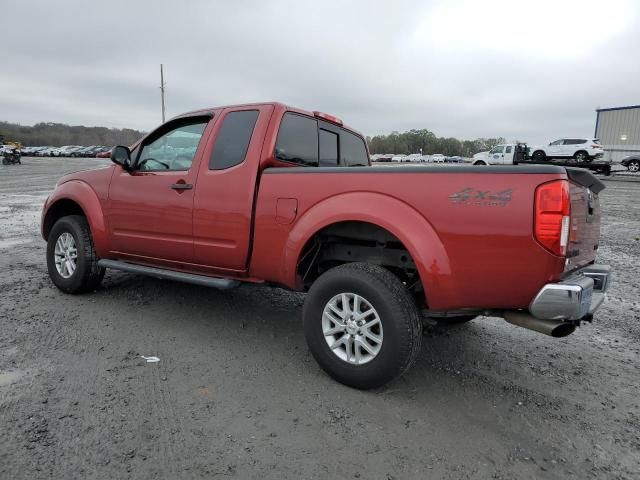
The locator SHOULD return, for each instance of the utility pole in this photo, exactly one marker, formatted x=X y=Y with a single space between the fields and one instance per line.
x=162 y=85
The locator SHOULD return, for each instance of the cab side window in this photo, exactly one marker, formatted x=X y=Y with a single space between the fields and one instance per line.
x=233 y=139
x=353 y=151
x=173 y=149
x=310 y=142
x=298 y=140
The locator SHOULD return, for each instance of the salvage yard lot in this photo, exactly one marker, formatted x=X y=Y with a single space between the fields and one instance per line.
x=236 y=393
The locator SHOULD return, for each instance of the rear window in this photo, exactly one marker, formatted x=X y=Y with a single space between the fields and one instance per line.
x=298 y=140
x=328 y=148
x=233 y=139
x=352 y=150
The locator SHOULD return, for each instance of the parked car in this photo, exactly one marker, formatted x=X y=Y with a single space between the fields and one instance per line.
x=78 y=152
x=104 y=154
x=46 y=151
x=372 y=246
x=86 y=151
x=438 y=158
x=60 y=151
x=455 y=159
x=580 y=149
x=413 y=158
x=98 y=149
x=632 y=162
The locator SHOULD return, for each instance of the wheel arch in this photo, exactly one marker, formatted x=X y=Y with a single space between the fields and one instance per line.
x=385 y=213
x=76 y=198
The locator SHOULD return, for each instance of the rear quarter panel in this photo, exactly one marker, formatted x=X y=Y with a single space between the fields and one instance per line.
x=470 y=234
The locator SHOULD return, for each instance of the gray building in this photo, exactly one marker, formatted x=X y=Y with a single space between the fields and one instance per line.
x=618 y=129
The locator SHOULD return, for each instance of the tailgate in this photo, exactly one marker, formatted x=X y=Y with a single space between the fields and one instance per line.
x=584 y=232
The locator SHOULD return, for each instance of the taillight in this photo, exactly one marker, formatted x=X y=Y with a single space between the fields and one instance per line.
x=553 y=216
x=595 y=146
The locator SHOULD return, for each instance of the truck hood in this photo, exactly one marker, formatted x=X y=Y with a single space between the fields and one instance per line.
x=481 y=155
x=90 y=175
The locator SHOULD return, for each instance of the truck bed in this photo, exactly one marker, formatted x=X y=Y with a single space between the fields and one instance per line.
x=470 y=227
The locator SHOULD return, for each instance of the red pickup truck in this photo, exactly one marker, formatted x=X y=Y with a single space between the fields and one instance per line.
x=269 y=194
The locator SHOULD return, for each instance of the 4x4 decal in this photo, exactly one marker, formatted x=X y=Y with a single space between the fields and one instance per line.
x=482 y=198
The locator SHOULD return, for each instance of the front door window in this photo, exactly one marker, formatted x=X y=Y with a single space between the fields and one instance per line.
x=173 y=150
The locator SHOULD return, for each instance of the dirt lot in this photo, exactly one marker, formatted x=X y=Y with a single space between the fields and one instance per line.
x=236 y=393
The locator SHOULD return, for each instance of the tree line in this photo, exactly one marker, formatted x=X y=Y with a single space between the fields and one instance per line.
x=59 y=134
x=425 y=141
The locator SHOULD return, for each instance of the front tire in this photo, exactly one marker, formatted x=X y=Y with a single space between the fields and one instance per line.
x=71 y=257
x=362 y=325
x=634 y=166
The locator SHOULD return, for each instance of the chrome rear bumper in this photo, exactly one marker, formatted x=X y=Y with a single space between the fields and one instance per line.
x=575 y=298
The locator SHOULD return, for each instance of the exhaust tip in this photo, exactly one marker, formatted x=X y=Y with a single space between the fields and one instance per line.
x=553 y=328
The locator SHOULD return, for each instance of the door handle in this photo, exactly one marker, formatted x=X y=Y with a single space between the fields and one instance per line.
x=181 y=186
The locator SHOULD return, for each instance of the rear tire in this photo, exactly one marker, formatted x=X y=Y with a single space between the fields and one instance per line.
x=539 y=156
x=581 y=157
x=71 y=257
x=634 y=166
x=398 y=337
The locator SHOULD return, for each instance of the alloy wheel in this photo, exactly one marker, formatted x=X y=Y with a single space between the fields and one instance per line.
x=65 y=255
x=352 y=328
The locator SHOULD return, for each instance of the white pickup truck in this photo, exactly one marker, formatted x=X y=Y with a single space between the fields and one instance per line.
x=498 y=155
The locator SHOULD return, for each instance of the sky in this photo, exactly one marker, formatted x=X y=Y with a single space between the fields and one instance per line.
x=524 y=70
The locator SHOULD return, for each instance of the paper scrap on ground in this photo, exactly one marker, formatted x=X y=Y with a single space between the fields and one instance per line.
x=150 y=359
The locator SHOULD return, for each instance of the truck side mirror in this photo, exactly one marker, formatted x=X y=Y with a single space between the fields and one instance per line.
x=121 y=155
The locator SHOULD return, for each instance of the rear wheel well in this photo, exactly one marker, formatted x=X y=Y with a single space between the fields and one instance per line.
x=355 y=241
x=60 y=209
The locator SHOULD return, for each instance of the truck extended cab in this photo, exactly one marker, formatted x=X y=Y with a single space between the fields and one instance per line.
x=269 y=194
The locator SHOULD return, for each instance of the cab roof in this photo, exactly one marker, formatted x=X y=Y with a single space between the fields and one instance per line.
x=277 y=105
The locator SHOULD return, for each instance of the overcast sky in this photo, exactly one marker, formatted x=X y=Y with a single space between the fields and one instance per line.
x=527 y=70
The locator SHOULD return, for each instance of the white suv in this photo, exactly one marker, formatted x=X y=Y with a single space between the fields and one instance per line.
x=580 y=149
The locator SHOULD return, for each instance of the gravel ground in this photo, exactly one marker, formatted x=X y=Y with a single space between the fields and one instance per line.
x=236 y=393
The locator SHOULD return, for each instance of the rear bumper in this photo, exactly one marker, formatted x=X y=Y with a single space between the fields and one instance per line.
x=575 y=298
